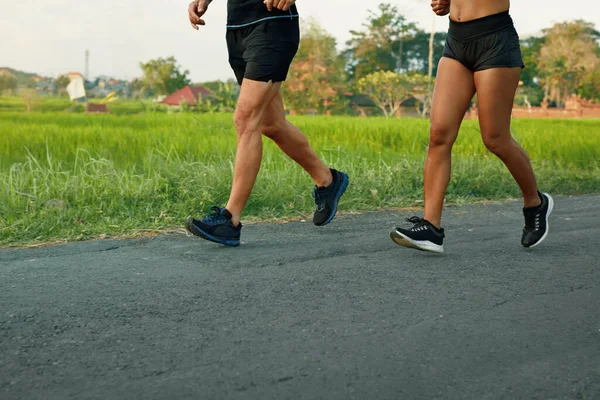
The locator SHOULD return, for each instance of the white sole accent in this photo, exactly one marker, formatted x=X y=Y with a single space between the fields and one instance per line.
x=550 y=208
x=423 y=245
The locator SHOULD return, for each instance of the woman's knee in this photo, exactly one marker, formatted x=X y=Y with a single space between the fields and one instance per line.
x=441 y=135
x=497 y=142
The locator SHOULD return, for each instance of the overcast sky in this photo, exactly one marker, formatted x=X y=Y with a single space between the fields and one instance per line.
x=50 y=36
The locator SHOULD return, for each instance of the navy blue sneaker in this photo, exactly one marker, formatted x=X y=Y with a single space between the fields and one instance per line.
x=216 y=227
x=327 y=198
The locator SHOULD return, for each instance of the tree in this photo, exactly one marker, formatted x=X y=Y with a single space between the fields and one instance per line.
x=61 y=84
x=590 y=87
x=530 y=50
x=317 y=77
x=8 y=82
x=424 y=53
x=569 y=52
x=163 y=76
x=216 y=85
x=381 y=46
x=227 y=95
x=224 y=97
x=135 y=88
x=388 y=90
x=417 y=51
x=531 y=91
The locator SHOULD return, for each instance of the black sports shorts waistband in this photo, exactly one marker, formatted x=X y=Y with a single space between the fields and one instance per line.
x=465 y=31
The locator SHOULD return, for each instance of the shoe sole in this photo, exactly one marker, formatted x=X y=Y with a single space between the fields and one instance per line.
x=194 y=230
x=423 y=245
x=339 y=194
x=550 y=208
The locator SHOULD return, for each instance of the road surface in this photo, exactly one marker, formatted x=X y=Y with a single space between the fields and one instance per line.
x=302 y=312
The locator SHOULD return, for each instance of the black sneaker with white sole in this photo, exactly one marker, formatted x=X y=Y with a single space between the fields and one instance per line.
x=536 y=221
x=422 y=236
x=327 y=198
x=216 y=227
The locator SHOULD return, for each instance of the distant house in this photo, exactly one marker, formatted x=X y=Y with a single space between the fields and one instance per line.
x=43 y=85
x=104 y=85
x=96 y=109
x=189 y=94
x=74 y=75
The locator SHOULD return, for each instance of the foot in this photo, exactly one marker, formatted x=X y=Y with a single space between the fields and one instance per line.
x=327 y=198
x=422 y=236
x=536 y=221
x=216 y=227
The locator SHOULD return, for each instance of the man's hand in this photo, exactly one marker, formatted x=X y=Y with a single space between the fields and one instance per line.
x=440 y=7
x=283 y=5
x=196 y=10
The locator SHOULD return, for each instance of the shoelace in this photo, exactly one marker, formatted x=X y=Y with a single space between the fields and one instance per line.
x=414 y=220
x=215 y=217
x=532 y=220
x=319 y=201
x=419 y=223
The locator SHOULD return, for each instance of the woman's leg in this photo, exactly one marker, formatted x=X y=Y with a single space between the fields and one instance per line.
x=495 y=95
x=454 y=89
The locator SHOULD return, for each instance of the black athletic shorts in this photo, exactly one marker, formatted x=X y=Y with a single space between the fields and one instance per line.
x=265 y=50
x=484 y=43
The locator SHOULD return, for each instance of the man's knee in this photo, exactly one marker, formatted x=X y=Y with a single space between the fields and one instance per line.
x=273 y=129
x=245 y=119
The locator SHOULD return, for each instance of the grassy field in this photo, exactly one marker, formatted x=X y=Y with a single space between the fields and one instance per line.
x=75 y=176
x=64 y=105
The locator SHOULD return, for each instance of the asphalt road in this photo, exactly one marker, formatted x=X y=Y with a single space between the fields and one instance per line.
x=301 y=312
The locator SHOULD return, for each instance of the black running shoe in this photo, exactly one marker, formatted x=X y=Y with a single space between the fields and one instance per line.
x=536 y=221
x=327 y=197
x=217 y=227
x=422 y=236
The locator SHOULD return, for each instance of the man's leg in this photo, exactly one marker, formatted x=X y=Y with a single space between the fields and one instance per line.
x=330 y=184
x=254 y=98
x=495 y=96
x=293 y=142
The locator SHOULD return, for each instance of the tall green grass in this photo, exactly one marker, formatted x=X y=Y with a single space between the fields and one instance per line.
x=79 y=176
x=63 y=104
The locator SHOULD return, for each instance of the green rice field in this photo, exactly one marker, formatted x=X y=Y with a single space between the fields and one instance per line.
x=71 y=176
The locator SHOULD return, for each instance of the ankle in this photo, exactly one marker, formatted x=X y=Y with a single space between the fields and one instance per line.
x=436 y=222
x=325 y=180
x=235 y=216
x=437 y=225
x=235 y=219
x=532 y=200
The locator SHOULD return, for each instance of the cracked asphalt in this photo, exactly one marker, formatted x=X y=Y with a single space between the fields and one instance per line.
x=301 y=312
